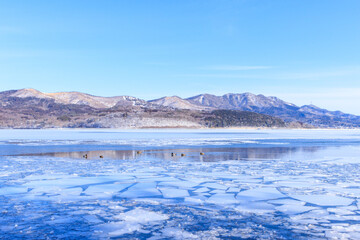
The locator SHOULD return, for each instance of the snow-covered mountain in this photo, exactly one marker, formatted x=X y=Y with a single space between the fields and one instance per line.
x=276 y=107
x=66 y=103
x=243 y=101
x=79 y=98
x=179 y=103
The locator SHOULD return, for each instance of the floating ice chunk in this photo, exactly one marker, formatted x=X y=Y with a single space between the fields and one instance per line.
x=106 y=188
x=324 y=200
x=215 y=185
x=174 y=192
x=259 y=194
x=287 y=201
x=46 y=177
x=347 y=227
x=319 y=215
x=161 y=179
x=67 y=182
x=226 y=198
x=247 y=179
x=234 y=190
x=336 y=217
x=13 y=190
x=293 y=209
x=69 y=192
x=65 y=195
x=255 y=208
x=217 y=191
x=343 y=210
x=201 y=190
x=352 y=217
x=331 y=234
x=139 y=215
x=58 y=195
x=46 y=190
x=197 y=180
x=141 y=190
x=117 y=177
x=297 y=184
x=179 y=184
x=351 y=192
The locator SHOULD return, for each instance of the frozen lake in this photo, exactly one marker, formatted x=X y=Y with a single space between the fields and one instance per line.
x=248 y=184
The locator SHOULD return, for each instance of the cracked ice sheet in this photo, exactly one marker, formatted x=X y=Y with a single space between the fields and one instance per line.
x=173 y=192
x=323 y=200
x=67 y=182
x=220 y=198
x=293 y=209
x=59 y=195
x=215 y=186
x=259 y=194
x=256 y=208
x=13 y=190
x=256 y=182
x=105 y=190
x=180 y=184
x=147 y=189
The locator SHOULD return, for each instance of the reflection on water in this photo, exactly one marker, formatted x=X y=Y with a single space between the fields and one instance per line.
x=191 y=154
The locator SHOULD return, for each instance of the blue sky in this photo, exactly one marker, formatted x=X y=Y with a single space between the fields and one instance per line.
x=302 y=51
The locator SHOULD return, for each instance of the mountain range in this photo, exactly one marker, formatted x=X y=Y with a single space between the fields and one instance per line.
x=30 y=108
x=273 y=106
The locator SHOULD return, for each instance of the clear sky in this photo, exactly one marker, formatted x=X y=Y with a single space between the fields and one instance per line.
x=303 y=51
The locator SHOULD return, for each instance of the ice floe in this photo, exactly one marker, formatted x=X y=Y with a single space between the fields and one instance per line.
x=286 y=185
x=173 y=192
x=324 y=200
x=259 y=194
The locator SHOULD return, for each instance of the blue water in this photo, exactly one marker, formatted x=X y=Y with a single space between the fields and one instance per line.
x=249 y=184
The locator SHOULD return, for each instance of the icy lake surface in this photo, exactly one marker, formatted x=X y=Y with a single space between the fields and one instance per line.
x=248 y=184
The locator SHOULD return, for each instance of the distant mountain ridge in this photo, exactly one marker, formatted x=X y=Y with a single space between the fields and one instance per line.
x=76 y=98
x=177 y=102
x=234 y=101
x=203 y=104
x=274 y=106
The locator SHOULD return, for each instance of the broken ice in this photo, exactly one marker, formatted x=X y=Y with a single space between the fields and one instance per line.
x=249 y=184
